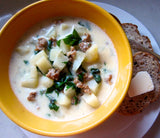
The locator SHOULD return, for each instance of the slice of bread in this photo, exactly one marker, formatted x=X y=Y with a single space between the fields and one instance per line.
x=132 y=33
x=142 y=61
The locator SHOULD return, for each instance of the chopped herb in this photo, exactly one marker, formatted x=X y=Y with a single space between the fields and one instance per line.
x=104 y=63
x=52 y=105
x=48 y=115
x=26 y=62
x=50 y=89
x=49 y=46
x=59 y=85
x=80 y=76
x=75 y=100
x=36 y=51
x=42 y=92
x=70 y=85
x=104 y=69
x=58 y=42
x=85 y=24
x=96 y=74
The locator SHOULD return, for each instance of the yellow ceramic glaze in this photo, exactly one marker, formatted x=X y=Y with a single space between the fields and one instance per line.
x=37 y=12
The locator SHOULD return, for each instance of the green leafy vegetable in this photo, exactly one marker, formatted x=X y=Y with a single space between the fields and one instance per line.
x=70 y=85
x=42 y=92
x=59 y=85
x=96 y=74
x=50 y=89
x=80 y=76
x=26 y=62
x=49 y=46
x=52 y=105
x=71 y=39
x=85 y=24
x=59 y=42
x=48 y=115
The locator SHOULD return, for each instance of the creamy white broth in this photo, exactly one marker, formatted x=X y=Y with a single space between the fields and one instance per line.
x=107 y=63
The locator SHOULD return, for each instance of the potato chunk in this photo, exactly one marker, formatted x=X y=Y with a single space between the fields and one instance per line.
x=80 y=56
x=65 y=48
x=60 y=61
x=54 y=53
x=52 y=33
x=70 y=92
x=93 y=85
x=92 y=54
x=23 y=50
x=30 y=80
x=43 y=64
x=36 y=57
x=63 y=100
x=46 y=82
x=91 y=99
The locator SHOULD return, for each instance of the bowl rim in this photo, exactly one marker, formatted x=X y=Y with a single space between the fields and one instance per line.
x=20 y=12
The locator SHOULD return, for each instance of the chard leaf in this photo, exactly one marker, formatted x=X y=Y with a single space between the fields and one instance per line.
x=59 y=42
x=71 y=39
x=96 y=74
x=52 y=105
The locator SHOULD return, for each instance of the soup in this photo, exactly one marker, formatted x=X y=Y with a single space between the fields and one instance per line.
x=63 y=68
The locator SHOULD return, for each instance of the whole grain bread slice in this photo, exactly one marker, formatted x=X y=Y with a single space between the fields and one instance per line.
x=142 y=61
x=132 y=33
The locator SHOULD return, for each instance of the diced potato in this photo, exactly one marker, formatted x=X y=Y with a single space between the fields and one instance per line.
x=70 y=92
x=64 y=26
x=43 y=64
x=36 y=57
x=52 y=33
x=54 y=52
x=92 y=54
x=65 y=48
x=29 y=82
x=81 y=30
x=64 y=30
x=63 y=100
x=33 y=72
x=91 y=99
x=80 y=56
x=23 y=50
x=93 y=85
x=46 y=82
x=60 y=61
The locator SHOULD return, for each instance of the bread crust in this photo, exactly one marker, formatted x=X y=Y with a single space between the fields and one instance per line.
x=142 y=61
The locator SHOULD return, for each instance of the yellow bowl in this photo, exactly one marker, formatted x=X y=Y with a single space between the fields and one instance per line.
x=35 y=13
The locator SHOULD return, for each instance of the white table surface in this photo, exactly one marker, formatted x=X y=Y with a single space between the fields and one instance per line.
x=146 y=11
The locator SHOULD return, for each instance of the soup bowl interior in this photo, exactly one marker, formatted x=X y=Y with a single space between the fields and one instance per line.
x=29 y=16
